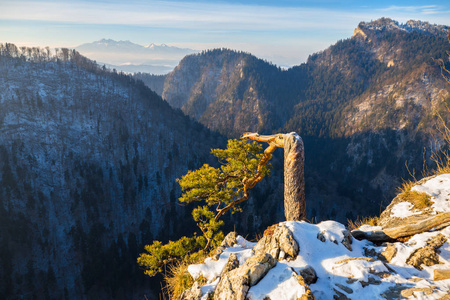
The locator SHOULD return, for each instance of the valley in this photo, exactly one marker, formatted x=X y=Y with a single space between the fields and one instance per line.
x=89 y=156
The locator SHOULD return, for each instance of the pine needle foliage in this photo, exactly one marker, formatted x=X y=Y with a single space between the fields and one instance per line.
x=159 y=255
x=224 y=186
x=216 y=190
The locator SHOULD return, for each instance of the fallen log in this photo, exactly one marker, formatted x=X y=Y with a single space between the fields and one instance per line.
x=390 y=234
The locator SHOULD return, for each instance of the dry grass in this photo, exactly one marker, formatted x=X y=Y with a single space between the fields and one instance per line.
x=178 y=279
x=406 y=186
x=442 y=162
x=442 y=170
x=352 y=225
x=419 y=200
x=257 y=237
x=442 y=157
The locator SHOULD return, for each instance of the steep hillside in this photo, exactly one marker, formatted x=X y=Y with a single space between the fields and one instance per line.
x=233 y=91
x=364 y=107
x=380 y=56
x=88 y=162
x=230 y=92
x=154 y=82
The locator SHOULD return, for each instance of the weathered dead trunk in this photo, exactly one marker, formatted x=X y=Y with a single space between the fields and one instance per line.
x=389 y=234
x=294 y=160
x=294 y=179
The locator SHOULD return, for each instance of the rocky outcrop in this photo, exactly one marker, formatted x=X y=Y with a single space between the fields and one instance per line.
x=234 y=284
x=308 y=295
x=278 y=242
x=228 y=241
x=441 y=274
x=232 y=263
x=421 y=208
x=324 y=261
x=308 y=274
x=232 y=287
x=410 y=292
x=390 y=252
x=388 y=218
x=358 y=32
x=427 y=255
x=194 y=293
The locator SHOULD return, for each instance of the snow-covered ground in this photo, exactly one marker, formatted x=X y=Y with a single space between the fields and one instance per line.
x=358 y=273
x=337 y=268
x=439 y=190
x=437 y=187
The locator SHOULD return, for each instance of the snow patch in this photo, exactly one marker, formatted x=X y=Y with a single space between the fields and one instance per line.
x=212 y=268
x=369 y=228
x=403 y=210
x=337 y=268
x=209 y=288
x=279 y=283
x=439 y=190
x=244 y=243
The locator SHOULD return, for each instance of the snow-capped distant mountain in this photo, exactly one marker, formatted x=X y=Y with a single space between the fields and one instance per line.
x=130 y=57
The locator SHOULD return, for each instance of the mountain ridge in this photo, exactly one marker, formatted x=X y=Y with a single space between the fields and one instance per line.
x=131 y=58
x=363 y=106
x=116 y=162
x=410 y=25
x=110 y=43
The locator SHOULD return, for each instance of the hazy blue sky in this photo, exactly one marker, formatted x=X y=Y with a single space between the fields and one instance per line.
x=282 y=31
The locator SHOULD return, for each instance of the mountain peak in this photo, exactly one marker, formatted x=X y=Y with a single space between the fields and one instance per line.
x=152 y=58
x=111 y=42
x=391 y=25
x=155 y=46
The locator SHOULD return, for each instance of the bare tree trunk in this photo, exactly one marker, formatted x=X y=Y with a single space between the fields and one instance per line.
x=436 y=222
x=294 y=179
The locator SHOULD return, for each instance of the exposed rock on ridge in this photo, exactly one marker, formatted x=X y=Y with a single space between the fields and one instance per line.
x=325 y=268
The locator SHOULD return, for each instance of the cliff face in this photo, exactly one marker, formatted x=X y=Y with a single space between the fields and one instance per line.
x=384 y=67
x=88 y=162
x=230 y=92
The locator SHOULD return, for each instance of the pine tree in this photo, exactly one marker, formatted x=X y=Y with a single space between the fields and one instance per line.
x=222 y=189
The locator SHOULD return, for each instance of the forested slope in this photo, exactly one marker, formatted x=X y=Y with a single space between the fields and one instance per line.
x=88 y=162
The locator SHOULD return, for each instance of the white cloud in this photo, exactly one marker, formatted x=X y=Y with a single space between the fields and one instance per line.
x=172 y=14
x=424 y=9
